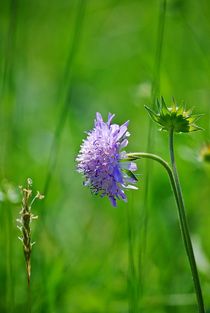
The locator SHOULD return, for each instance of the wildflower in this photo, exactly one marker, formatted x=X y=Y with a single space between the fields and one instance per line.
x=102 y=162
x=175 y=117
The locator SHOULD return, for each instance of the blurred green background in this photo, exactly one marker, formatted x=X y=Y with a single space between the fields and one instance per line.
x=60 y=62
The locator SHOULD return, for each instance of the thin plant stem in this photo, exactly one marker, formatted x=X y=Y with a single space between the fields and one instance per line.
x=64 y=94
x=132 y=279
x=9 y=267
x=29 y=299
x=150 y=140
x=184 y=226
x=6 y=79
x=7 y=87
x=154 y=157
x=203 y=56
x=176 y=187
x=159 y=48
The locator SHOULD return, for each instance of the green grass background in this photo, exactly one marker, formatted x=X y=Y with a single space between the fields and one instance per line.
x=90 y=257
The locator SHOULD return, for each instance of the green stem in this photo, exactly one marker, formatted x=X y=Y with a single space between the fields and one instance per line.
x=132 y=290
x=29 y=299
x=150 y=143
x=174 y=180
x=145 y=155
x=184 y=227
x=159 y=48
x=9 y=255
x=65 y=93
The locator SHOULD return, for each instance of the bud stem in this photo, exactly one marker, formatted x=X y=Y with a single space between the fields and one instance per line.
x=176 y=187
x=184 y=226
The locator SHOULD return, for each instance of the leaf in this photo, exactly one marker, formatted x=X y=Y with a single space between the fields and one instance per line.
x=152 y=114
x=131 y=175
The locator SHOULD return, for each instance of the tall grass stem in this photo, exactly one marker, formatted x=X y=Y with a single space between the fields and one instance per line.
x=132 y=277
x=8 y=257
x=7 y=85
x=64 y=93
x=150 y=140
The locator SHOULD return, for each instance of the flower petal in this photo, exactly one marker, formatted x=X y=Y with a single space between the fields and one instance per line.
x=124 y=143
x=110 y=118
x=122 y=131
x=131 y=187
x=98 y=120
x=131 y=166
x=117 y=174
x=113 y=201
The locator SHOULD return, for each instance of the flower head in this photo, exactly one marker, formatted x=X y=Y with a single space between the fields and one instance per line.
x=175 y=117
x=102 y=162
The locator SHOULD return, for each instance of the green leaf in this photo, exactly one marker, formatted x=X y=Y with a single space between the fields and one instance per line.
x=152 y=114
x=131 y=175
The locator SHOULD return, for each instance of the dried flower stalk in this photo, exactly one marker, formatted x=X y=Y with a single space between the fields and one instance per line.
x=24 y=223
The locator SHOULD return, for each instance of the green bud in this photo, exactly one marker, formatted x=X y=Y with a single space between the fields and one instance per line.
x=175 y=117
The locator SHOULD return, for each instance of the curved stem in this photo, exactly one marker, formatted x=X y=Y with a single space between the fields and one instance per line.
x=145 y=155
x=184 y=227
x=174 y=180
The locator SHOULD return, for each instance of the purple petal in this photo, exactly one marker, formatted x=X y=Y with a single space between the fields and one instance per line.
x=98 y=120
x=110 y=118
x=117 y=175
x=114 y=129
x=99 y=117
x=122 y=131
x=131 y=166
x=122 y=195
x=123 y=155
x=124 y=143
x=113 y=201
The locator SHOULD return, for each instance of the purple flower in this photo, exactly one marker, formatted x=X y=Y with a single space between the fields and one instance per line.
x=102 y=162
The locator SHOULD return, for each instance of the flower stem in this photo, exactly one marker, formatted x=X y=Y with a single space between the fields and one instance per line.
x=145 y=155
x=174 y=180
x=184 y=227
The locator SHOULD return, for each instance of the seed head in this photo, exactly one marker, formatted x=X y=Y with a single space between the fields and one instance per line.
x=24 y=223
x=175 y=117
